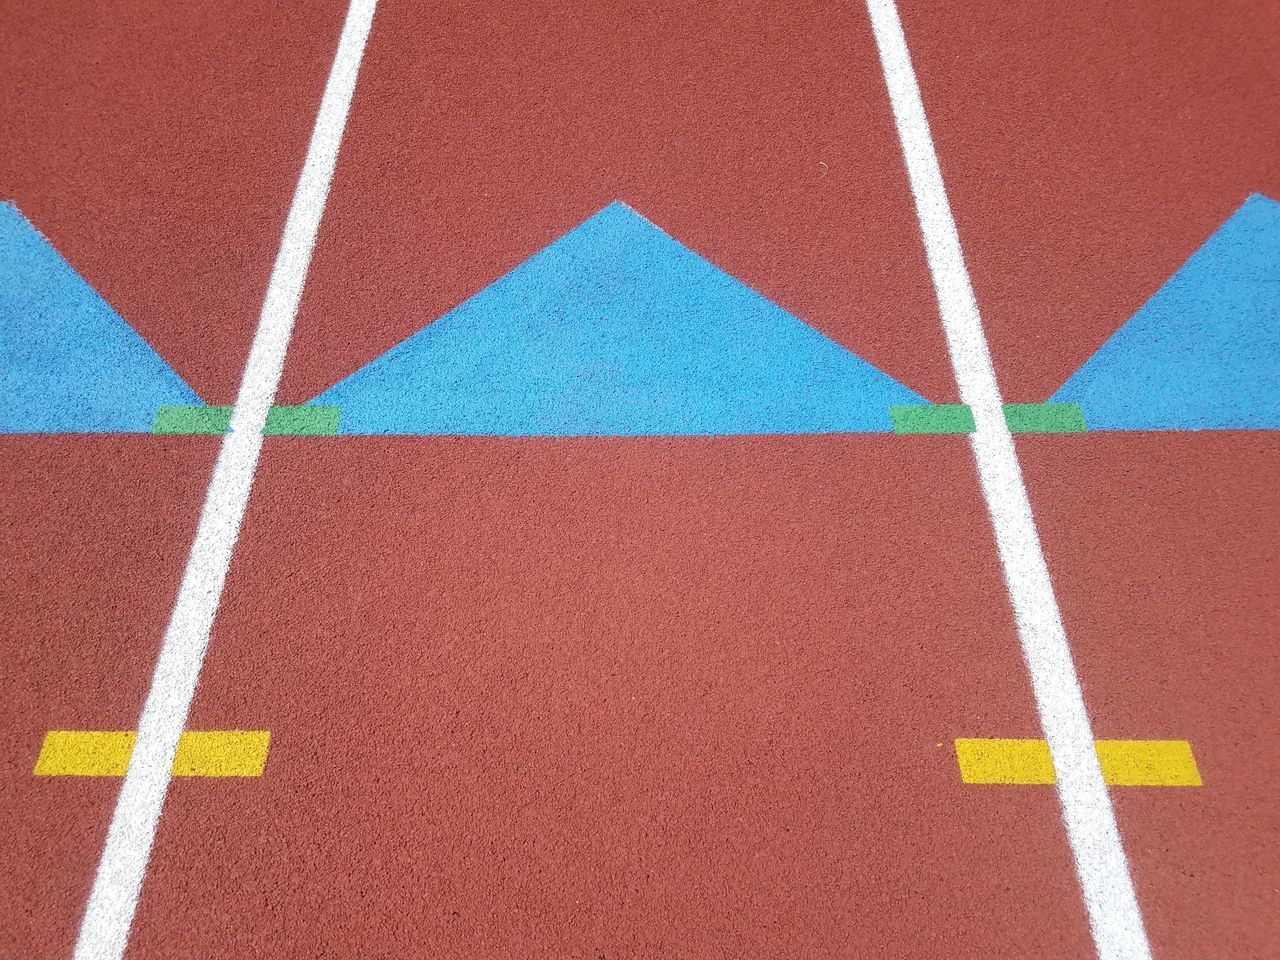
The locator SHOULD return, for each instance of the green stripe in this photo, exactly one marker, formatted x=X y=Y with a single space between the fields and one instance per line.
x=932 y=418
x=1044 y=418
x=303 y=421
x=297 y=421
x=191 y=420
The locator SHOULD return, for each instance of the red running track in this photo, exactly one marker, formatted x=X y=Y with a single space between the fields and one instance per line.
x=579 y=698
x=640 y=698
x=95 y=532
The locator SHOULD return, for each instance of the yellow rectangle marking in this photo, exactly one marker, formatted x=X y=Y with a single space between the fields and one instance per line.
x=1148 y=763
x=221 y=753
x=85 y=753
x=1125 y=763
x=105 y=753
x=1004 y=761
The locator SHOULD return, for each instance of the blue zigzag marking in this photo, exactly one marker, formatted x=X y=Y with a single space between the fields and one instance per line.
x=616 y=329
x=1204 y=352
x=68 y=362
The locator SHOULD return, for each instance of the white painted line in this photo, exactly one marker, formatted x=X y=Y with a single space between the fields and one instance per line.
x=1107 y=887
x=104 y=931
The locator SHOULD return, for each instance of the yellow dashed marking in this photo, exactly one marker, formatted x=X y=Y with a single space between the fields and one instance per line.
x=221 y=753
x=105 y=753
x=1004 y=761
x=84 y=753
x=1148 y=763
x=1125 y=763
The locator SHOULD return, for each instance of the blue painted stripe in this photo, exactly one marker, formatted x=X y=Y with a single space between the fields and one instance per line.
x=1204 y=352
x=68 y=362
x=617 y=329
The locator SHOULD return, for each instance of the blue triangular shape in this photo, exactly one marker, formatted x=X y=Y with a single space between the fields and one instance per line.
x=616 y=329
x=1204 y=352
x=68 y=362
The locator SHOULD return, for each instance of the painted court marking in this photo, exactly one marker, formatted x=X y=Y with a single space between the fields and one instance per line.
x=1103 y=870
x=1125 y=763
x=617 y=329
x=958 y=418
x=932 y=418
x=104 y=932
x=1044 y=418
x=310 y=420
x=105 y=753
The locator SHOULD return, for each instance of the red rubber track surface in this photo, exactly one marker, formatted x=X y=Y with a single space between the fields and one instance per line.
x=94 y=533
x=157 y=147
x=1164 y=551
x=677 y=698
x=1088 y=150
x=758 y=134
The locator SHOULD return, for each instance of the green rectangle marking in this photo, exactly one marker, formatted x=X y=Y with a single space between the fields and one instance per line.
x=296 y=421
x=305 y=421
x=1044 y=418
x=932 y=418
x=187 y=419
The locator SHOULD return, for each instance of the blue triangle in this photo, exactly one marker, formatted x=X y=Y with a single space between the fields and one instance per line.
x=616 y=329
x=68 y=362
x=1204 y=352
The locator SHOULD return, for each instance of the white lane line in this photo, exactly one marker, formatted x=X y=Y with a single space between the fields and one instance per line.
x=1109 y=897
x=104 y=931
